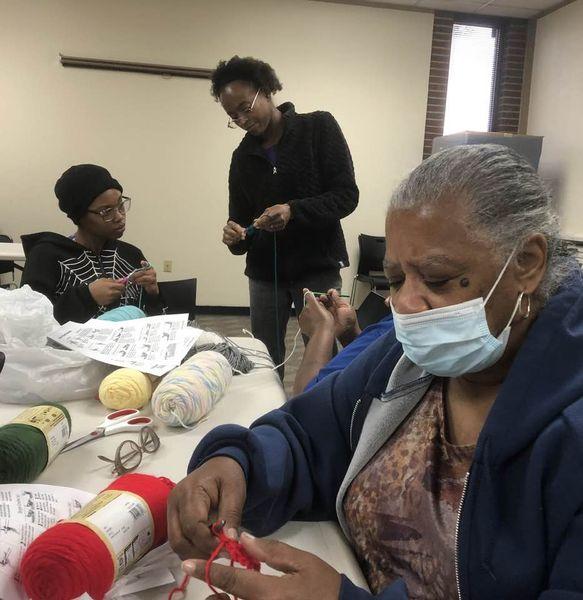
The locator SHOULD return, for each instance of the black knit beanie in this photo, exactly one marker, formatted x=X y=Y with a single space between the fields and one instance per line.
x=79 y=185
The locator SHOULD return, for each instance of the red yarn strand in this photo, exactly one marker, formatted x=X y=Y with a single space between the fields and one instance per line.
x=236 y=553
x=180 y=589
x=209 y=562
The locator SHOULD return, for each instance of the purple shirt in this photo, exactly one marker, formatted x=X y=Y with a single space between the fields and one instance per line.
x=271 y=154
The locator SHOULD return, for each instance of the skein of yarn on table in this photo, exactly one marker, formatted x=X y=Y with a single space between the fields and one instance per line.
x=125 y=388
x=24 y=451
x=209 y=340
x=123 y=313
x=190 y=391
x=70 y=559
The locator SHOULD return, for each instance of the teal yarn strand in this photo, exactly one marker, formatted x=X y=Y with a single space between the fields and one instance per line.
x=123 y=313
x=23 y=450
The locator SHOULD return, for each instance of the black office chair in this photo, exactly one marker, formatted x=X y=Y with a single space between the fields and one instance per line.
x=370 y=264
x=372 y=310
x=8 y=266
x=179 y=296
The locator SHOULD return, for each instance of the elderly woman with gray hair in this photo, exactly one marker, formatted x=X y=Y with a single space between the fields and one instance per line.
x=450 y=451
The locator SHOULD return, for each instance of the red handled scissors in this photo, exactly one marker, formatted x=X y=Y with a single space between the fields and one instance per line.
x=127 y=419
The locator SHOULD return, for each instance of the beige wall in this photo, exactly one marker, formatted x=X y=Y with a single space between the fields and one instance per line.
x=556 y=109
x=167 y=141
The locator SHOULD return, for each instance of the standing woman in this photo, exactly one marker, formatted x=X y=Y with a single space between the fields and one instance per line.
x=292 y=178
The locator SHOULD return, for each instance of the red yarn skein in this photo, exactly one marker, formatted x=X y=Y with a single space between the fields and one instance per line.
x=69 y=559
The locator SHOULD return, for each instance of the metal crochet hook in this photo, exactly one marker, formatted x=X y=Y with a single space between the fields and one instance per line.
x=217 y=526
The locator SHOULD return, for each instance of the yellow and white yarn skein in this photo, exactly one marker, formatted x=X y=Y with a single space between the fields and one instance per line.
x=125 y=388
x=190 y=391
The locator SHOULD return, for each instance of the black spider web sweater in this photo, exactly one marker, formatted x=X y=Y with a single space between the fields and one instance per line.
x=62 y=270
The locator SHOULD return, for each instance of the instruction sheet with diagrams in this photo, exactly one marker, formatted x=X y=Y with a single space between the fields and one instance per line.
x=152 y=345
x=25 y=512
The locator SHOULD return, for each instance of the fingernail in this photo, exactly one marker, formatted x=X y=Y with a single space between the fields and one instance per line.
x=247 y=535
x=189 y=567
x=232 y=533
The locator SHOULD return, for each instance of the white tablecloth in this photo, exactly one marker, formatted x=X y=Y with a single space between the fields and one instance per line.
x=10 y=251
x=247 y=398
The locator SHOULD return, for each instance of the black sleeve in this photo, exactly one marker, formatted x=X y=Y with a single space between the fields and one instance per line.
x=239 y=210
x=337 y=173
x=41 y=273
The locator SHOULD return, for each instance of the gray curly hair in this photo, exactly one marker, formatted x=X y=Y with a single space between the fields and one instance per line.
x=506 y=202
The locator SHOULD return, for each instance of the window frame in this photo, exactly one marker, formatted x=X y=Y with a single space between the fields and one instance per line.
x=496 y=25
x=437 y=88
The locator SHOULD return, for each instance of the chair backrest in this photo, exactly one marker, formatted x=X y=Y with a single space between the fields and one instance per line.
x=371 y=253
x=372 y=310
x=179 y=296
x=6 y=266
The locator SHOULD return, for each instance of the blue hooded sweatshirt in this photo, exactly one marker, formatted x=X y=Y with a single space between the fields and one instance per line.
x=520 y=530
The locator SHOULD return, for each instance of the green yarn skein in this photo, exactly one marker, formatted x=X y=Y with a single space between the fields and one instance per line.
x=23 y=450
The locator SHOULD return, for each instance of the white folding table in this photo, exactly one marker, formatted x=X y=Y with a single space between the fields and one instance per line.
x=248 y=397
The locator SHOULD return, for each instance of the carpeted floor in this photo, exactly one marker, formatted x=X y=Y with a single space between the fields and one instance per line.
x=233 y=326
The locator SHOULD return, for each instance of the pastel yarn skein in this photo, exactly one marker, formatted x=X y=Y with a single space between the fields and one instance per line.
x=189 y=392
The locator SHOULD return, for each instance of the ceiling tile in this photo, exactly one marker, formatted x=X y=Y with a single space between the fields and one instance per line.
x=500 y=9
x=387 y=2
x=453 y=5
x=400 y=2
x=503 y=8
x=532 y=4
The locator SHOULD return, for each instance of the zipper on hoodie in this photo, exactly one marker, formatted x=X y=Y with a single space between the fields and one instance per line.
x=98 y=257
x=457 y=530
x=352 y=421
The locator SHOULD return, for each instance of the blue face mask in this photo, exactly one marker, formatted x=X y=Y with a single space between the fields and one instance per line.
x=453 y=340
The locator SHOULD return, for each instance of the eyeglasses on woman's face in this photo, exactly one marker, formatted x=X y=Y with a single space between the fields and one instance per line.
x=233 y=122
x=108 y=214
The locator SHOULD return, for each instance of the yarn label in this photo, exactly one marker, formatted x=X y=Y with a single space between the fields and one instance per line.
x=52 y=423
x=124 y=523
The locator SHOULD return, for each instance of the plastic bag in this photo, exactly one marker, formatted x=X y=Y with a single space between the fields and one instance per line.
x=26 y=317
x=31 y=371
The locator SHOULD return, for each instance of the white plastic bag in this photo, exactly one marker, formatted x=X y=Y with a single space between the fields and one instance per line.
x=26 y=317
x=31 y=371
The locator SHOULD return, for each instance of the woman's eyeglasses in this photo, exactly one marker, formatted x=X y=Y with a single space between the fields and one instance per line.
x=234 y=121
x=108 y=214
x=128 y=455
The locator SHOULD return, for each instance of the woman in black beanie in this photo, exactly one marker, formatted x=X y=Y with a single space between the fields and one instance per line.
x=86 y=274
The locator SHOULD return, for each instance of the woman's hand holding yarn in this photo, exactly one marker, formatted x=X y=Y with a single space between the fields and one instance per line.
x=314 y=316
x=274 y=218
x=233 y=233
x=148 y=280
x=307 y=577
x=106 y=291
x=215 y=491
